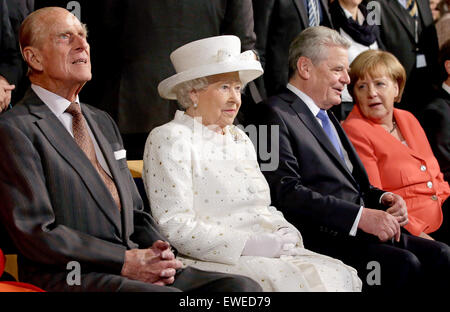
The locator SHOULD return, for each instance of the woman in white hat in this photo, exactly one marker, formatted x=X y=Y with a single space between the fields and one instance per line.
x=205 y=187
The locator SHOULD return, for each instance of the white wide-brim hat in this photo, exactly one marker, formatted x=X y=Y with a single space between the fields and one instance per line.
x=210 y=56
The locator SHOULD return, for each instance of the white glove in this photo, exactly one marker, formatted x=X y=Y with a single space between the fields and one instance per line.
x=263 y=245
x=271 y=245
x=288 y=235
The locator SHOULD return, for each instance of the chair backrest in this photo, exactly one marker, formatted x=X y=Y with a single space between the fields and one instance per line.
x=11 y=266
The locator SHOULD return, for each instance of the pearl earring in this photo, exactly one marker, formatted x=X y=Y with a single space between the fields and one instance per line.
x=195 y=105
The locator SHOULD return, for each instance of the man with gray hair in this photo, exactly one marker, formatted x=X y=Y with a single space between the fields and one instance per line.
x=321 y=185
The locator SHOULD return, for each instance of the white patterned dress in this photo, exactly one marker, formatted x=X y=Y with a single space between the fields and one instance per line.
x=209 y=196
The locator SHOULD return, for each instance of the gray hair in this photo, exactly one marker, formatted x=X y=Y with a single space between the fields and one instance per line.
x=313 y=43
x=183 y=89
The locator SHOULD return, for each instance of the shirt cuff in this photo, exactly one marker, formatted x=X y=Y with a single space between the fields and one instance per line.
x=355 y=224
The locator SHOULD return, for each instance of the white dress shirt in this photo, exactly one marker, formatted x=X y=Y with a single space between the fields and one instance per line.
x=446 y=87
x=58 y=105
x=315 y=110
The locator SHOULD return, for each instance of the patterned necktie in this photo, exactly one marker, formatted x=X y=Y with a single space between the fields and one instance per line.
x=411 y=7
x=84 y=141
x=313 y=13
x=326 y=125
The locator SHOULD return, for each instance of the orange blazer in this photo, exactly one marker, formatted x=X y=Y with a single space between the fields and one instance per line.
x=411 y=171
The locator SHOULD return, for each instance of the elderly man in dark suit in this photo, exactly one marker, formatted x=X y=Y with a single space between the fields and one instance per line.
x=320 y=183
x=67 y=195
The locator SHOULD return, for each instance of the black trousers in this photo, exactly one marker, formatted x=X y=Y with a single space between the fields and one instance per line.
x=413 y=264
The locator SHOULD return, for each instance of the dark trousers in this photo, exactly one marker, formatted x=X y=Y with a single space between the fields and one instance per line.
x=186 y=280
x=413 y=264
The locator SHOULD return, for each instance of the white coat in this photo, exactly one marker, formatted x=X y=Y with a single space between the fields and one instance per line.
x=209 y=196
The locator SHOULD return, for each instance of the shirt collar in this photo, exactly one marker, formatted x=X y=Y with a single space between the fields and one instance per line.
x=446 y=87
x=308 y=101
x=360 y=18
x=56 y=103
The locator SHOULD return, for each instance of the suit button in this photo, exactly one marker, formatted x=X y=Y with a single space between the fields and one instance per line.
x=429 y=184
x=423 y=168
x=434 y=197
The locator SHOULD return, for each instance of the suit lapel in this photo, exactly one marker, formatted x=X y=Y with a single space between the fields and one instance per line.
x=412 y=148
x=66 y=146
x=108 y=153
x=326 y=14
x=314 y=127
x=444 y=94
x=424 y=12
x=302 y=11
x=400 y=12
x=358 y=167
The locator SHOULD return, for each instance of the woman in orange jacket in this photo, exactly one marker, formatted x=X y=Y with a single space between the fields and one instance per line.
x=393 y=146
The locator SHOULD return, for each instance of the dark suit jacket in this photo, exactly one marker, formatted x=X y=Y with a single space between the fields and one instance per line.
x=12 y=67
x=277 y=23
x=312 y=186
x=55 y=206
x=397 y=34
x=435 y=120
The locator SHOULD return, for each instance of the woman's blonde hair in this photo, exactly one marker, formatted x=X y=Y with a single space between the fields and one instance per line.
x=376 y=63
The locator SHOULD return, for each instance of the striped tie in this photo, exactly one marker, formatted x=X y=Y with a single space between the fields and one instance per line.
x=313 y=13
x=411 y=7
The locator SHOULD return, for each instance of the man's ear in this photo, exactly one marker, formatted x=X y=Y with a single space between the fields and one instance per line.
x=33 y=58
x=304 y=66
